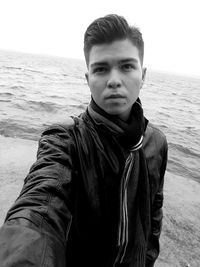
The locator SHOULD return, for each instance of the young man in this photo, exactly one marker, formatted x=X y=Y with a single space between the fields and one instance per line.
x=94 y=196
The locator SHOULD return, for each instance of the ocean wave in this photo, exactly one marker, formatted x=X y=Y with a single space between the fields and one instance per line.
x=80 y=107
x=43 y=72
x=183 y=149
x=5 y=100
x=11 y=68
x=17 y=87
x=37 y=106
x=6 y=94
x=13 y=128
x=20 y=69
x=179 y=168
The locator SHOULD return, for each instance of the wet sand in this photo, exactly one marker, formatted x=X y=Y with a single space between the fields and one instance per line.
x=180 y=238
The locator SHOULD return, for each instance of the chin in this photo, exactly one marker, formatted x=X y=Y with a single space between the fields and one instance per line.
x=115 y=112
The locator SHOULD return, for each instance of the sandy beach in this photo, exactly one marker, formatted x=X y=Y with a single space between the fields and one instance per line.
x=180 y=239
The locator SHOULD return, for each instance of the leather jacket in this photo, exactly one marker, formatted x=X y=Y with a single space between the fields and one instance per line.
x=68 y=210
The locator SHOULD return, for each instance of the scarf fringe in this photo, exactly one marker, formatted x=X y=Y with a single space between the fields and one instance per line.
x=140 y=256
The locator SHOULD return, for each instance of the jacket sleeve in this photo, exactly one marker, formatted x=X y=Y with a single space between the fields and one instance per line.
x=157 y=213
x=36 y=227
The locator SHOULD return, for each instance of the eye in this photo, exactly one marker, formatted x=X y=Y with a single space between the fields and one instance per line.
x=99 y=70
x=128 y=67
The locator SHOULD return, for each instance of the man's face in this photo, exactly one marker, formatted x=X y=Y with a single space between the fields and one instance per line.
x=115 y=76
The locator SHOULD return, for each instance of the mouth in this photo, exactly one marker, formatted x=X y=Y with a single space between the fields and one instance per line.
x=114 y=96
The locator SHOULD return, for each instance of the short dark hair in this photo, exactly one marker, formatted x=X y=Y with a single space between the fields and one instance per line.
x=111 y=28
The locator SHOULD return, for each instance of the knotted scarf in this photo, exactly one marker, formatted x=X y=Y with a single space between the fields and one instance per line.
x=134 y=224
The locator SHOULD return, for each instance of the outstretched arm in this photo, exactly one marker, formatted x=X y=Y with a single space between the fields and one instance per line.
x=37 y=225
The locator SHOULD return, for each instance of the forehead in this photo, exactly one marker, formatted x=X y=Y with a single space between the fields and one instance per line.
x=117 y=50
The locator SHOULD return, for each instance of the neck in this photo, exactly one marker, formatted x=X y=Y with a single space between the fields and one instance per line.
x=129 y=133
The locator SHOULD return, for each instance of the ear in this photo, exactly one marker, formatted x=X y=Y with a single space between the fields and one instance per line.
x=87 y=77
x=144 y=71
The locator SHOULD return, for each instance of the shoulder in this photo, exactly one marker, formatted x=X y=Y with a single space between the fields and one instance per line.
x=68 y=128
x=57 y=137
x=155 y=149
x=155 y=140
x=153 y=133
x=59 y=127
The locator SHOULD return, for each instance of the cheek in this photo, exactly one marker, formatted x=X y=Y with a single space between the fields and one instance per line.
x=96 y=85
x=135 y=84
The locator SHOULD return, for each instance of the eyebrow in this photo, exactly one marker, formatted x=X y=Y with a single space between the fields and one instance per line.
x=100 y=63
x=105 y=63
x=129 y=60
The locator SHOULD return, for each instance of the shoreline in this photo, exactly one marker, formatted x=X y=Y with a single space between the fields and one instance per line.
x=16 y=157
x=180 y=237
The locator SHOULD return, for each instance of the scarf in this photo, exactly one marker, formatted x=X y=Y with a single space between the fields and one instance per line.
x=134 y=223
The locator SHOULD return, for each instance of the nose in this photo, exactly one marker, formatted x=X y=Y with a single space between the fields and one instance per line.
x=114 y=80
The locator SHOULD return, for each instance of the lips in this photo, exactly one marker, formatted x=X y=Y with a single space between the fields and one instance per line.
x=114 y=96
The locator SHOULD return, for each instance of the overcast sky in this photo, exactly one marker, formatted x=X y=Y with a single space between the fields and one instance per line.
x=171 y=28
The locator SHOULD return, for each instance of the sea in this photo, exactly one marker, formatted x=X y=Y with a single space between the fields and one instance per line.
x=39 y=90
